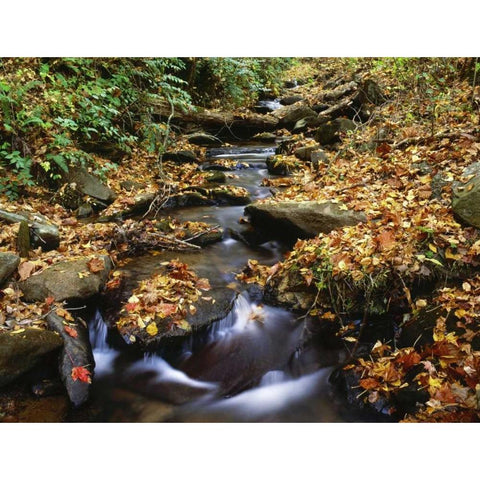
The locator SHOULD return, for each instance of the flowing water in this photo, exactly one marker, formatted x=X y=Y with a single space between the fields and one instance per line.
x=253 y=366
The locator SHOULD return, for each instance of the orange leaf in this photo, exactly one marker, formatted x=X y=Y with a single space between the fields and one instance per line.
x=409 y=360
x=369 y=383
x=49 y=301
x=96 y=265
x=82 y=374
x=71 y=331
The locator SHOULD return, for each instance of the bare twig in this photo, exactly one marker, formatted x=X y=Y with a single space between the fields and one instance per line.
x=211 y=229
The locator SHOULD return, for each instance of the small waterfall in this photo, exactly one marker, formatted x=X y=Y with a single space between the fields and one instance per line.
x=98 y=333
x=104 y=355
x=235 y=321
x=273 y=377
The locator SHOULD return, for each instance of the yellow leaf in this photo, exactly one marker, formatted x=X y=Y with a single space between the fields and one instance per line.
x=133 y=299
x=438 y=336
x=183 y=324
x=452 y=256
x=432 y=247
x=460 y=313
x=434 y=382
x=421 y=303
x=20 y=330
x=152 y=329
x=466 y=286
x=350 y=339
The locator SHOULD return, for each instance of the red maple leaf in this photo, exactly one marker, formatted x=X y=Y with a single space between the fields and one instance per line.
x=130 y=307
x=71 y=331
x=82 y=374
x=49 y=300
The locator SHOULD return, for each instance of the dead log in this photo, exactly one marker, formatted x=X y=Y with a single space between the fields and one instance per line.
x=226 y=122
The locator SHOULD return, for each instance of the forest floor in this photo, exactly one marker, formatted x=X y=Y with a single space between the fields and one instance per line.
x=384 y=169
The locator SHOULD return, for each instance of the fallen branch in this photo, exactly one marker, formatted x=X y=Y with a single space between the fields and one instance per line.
x=470 y=134
x=211 y=229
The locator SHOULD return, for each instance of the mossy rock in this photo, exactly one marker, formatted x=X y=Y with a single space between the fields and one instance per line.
x=21 y=351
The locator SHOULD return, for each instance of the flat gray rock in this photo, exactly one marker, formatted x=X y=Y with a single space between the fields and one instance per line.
x=292 y=220
x=67 y=281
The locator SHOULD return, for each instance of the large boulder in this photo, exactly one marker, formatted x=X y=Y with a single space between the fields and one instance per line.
x=73 y=280
x=76 y=354
x=88 y=184
x=466 y=196
x=22 y=350
x=289 y=115
x=329 y=132
x=291 y=220
x=42 y=233
x=8 y=264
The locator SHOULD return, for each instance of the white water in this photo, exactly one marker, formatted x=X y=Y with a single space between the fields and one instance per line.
x=165 y=372
x=265 y=401
x=103 y=354
x=273 y=377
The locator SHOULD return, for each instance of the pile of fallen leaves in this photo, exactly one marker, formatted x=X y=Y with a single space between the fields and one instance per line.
x=447 y=368
x=162 y=302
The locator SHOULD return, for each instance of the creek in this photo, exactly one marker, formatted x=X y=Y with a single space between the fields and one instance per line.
x=255 y=365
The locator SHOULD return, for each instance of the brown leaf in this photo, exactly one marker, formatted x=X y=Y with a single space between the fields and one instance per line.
x=409 y=360
x=203 y=284
x=96 y=265
x=25 y=270
x=385 y=240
